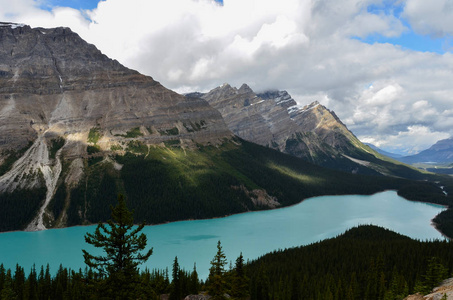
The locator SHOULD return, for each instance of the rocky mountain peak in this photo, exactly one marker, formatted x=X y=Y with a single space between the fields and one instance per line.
x=51 y=77
x=311 y=105
x=245 y=89
x=445 y=144
x=282 y=98
x=56 y=56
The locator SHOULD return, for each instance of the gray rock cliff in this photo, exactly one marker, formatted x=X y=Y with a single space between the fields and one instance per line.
x=274 y=119
x=53 y=82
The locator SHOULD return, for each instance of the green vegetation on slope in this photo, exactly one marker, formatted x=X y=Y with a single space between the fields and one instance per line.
x=11 y=157
x=169 y=184
x=19 y=207
x=55 y=145
x=367 y=262
x=132 y=133
x=94 y=135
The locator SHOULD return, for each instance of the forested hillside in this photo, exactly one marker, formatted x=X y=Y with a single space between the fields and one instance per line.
x=367 y=262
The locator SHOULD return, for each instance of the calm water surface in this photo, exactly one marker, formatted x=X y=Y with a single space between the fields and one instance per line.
x=254 y=233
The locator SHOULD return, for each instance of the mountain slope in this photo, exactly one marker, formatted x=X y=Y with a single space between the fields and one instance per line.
x=440 y=152
x=313 y=133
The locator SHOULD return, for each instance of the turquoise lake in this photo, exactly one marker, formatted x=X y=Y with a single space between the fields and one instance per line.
x=253 y=233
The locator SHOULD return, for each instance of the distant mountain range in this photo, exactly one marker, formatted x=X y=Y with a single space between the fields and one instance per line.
x=77 y=128
x=440 y=152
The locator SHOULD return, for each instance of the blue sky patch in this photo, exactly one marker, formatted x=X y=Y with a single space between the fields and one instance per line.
x=388 y=7
x=412 y=41
x=76 y=4
x=409 y=40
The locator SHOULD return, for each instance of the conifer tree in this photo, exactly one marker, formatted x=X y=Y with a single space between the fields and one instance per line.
x=217 y=285
x=175 y=293
x=7 y=293
x=19 y=282
x=435 y=273
x=123 y=246
x=194 y=286
x=240 y=284
x=2 y=276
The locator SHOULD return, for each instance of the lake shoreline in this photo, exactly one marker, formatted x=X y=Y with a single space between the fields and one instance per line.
x=433 y=224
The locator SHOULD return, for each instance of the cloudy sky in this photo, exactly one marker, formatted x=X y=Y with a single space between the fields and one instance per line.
x=385 y=67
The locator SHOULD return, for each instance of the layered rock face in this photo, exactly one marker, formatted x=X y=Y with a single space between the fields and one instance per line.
x=53 y=82
x=274 y=119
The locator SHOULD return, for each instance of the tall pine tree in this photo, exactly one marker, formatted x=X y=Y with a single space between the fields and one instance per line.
x=217 y=285
x=175 y=292
x=123 y=246
x=240 y=284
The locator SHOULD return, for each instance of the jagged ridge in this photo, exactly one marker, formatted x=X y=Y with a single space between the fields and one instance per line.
x=274 y=119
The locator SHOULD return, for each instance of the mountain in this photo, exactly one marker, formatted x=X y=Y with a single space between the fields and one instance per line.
x=63 y=101
x=78 y=128
x=383 y=152
x=440 y=152
x=313 y=132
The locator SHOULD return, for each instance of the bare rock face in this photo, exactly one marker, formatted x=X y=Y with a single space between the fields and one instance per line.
x=274 y=119
x=53 y=82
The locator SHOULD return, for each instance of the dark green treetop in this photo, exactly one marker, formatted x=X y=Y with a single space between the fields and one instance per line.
x=240 y=282
x=216 y=285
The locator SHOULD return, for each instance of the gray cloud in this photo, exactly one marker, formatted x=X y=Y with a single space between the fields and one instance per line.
x=430 y=17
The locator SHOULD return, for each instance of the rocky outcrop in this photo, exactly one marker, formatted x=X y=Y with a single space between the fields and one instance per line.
x=274 y=119
x=438 y=293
